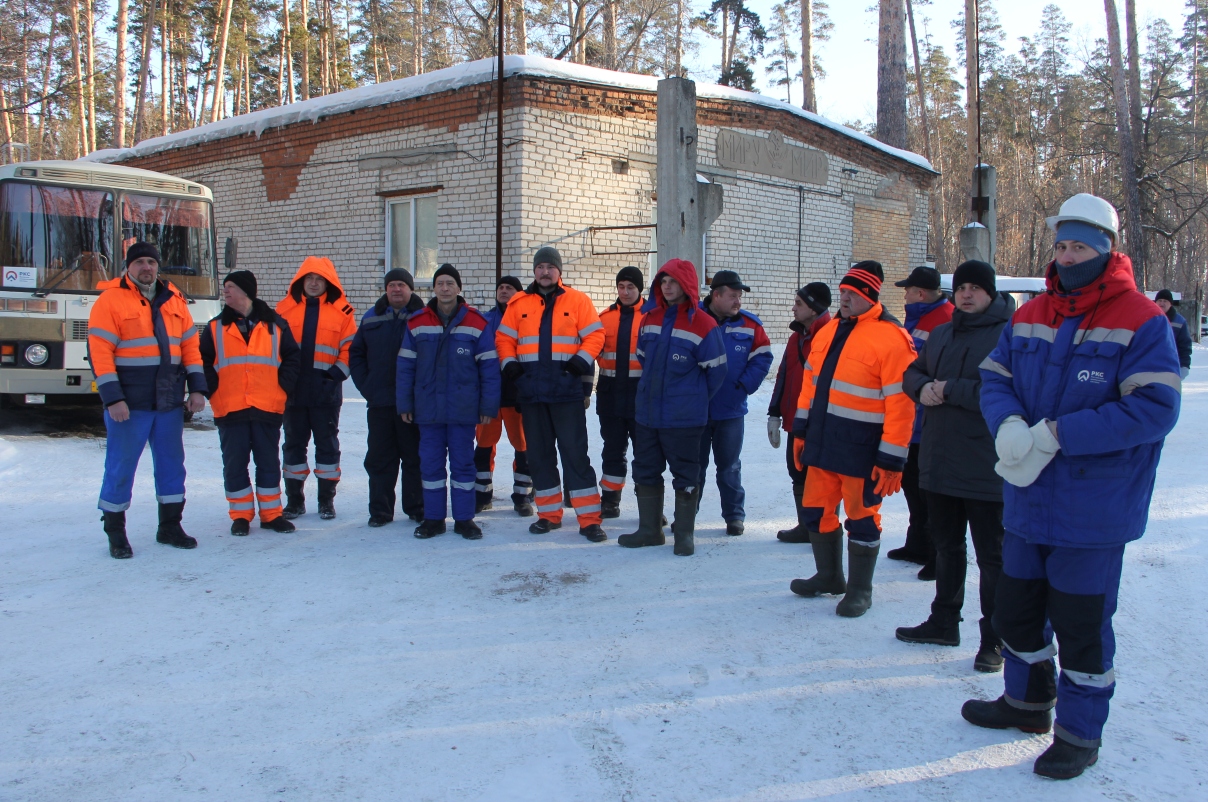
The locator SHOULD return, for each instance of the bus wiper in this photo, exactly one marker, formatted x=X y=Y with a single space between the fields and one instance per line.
x=42 y=292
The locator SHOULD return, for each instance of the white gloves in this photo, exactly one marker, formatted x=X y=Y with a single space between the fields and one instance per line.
x=774 y=431
x=1014 y=440
x=1044 y=447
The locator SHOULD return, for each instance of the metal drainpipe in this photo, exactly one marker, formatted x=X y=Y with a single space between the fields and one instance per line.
x=800 y=223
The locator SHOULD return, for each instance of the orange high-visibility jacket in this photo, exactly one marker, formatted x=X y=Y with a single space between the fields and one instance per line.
x=125 y=354
x=616 y=396
x=852 y=412
x=611 y=318
x=337 y=320
x=247 y=371
x=544 y=333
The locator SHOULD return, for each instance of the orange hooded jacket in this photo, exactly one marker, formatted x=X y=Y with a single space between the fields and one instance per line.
x=331 y=338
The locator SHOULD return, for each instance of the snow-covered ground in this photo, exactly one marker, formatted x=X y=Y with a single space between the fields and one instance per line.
x=343 y=662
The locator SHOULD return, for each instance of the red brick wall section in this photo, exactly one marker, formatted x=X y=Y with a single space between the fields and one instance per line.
x=459 y=107
x=282 y=168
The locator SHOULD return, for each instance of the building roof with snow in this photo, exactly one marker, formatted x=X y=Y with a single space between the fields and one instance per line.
x=459 y=76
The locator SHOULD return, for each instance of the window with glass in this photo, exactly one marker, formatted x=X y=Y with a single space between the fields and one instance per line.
x=182 y=231
x=55 y=237
x=411 y=235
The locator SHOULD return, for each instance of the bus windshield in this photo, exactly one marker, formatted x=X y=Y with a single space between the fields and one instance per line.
x=55 y=236
x=181 y=230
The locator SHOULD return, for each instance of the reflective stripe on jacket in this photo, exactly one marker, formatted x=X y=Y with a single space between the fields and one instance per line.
x=792 y=366
x=448 y=374
x=748 y=360
x=1101 y=362
x=143 y=352
x=543 y=333
x=247 y=370
x=620 y=370
x=852 y=412
x=332 y=337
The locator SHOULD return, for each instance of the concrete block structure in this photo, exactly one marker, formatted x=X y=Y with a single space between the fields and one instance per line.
x=403 y=174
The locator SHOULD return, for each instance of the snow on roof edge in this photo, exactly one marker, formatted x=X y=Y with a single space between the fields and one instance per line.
x=456 y=77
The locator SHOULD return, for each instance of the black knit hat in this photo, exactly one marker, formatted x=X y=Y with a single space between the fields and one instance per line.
x=447 y=270
x=865 y=278
x=1164 y=295
x=817 y=296
x=548 y=255
x=141 y=249
x=633 y=275
x=244 y=280
x=974 y=272
x=925 y=278
x=511 y=281
x=398 y=274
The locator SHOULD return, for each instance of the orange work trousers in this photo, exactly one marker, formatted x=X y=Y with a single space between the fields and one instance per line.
x=487 y=436
x=823 y=492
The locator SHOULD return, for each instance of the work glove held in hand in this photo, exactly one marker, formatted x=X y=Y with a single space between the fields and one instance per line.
x=1014 y=440
x=1044 y=447
x=774 y=431
x=888 y=482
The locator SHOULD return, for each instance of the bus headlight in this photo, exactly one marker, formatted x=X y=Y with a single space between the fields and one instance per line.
x=37 y=354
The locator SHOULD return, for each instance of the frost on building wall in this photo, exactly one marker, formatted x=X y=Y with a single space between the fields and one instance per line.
x=403 y=173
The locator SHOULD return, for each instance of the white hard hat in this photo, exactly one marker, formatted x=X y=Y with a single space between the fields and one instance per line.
x=1087 y=208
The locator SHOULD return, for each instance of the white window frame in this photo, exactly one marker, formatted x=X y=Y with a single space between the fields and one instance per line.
x=389 y=243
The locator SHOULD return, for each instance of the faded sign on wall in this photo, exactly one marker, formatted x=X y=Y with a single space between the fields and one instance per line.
x=770 y=155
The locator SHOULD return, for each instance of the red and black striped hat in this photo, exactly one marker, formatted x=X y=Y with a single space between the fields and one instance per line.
x=865 y=278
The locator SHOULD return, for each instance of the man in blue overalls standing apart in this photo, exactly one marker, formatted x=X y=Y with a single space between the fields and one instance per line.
x=1081 y=391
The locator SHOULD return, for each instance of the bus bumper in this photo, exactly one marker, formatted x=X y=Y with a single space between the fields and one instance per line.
x=32 y=381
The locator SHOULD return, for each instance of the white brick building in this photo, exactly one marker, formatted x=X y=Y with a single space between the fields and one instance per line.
x=404 y=173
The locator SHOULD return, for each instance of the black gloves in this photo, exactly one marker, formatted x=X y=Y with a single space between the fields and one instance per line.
x=512 y=371
x=575 y=366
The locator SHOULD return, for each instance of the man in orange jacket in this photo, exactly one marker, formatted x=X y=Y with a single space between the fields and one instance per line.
x=548 y=342
x=323 y=323
x=852 y=429
x=251 y=364
x=143 y=350
x=617 y=389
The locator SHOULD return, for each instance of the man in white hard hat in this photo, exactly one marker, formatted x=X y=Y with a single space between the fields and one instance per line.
x=1080 y=392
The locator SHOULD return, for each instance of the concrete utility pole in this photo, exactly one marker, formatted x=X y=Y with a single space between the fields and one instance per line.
x=979 y=239
x=686 y=207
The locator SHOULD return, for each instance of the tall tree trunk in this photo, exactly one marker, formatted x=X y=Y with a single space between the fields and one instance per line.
x=918 y=81
x=678 y=64
x=725 y=40
x=305 y=39
x=733 y=51
x=6 y=129
x=219 y=72
x=247 y=71
x=521 y=30
x=45 y=106
x=1128 y=168
x=165 y=72
x=610 y=34
x=119 y=77
x=1134 y=72
x=90 y=81
x=78 y=90
x=891 y=74
x=809 y=100
x=287 y=45
x=144 y=68
x=972 y=85
x=23 y=76
x=417 y=44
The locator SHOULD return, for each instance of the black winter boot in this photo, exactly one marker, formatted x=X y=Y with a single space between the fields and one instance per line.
x=483 y=500
x=115 y=528
x=799 y=533
x=828 y=558
x=650 y=511
x=1001 y=715
x=430 y=528
x=1064 y=760
x=543 y=526
x=279 y=525
x=295 y=499
x=610 y=503
x=931 y=632
x=593 y=532
x=927 y=572
x=468 y=529
x=685 y=522
x=327 y=499
x=734 y=528
x=989 y=655
x=241 y=527
x=170 y=532
x=524 y=506
x=861 y=562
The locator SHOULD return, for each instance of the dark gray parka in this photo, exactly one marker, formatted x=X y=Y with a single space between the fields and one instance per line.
x=956 y=456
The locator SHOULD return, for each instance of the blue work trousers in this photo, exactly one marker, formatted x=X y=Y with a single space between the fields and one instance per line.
x=655 y=450
x=1070 y=592
x=124 y=446
x=724 y=439
x=452 y=443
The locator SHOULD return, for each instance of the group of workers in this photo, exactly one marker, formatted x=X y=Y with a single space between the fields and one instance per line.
x=1038 y=429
